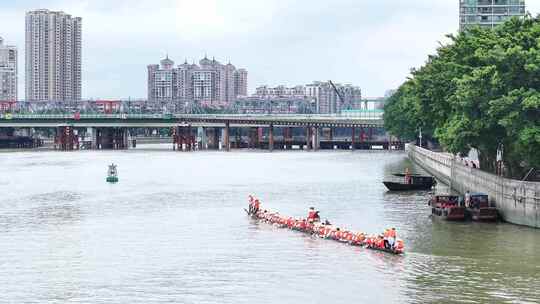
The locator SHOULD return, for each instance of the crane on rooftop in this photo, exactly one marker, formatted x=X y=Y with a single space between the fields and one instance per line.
x=346 y=105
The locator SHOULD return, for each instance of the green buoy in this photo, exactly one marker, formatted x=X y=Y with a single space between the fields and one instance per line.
x=112 y=176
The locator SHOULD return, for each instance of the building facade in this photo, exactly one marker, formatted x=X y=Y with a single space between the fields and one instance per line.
x=209 y=83
x=8 y=72
x=319 y=93
x=53 y=56
x=488 y=13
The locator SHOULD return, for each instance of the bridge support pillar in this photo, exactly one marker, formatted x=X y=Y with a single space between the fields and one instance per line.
x=92 y=134
x=238 y=138
x=215 y=138
x=316 y=139
x=120 y=139
x=110 y=138
x=309 y=138
x=175 y=137
x=190 y=139
x=271 y=138
x=253 y=142
x=331 y=134
x=226 y=139
x=66 y=139
x=288 y=138
x=201 y=134
x=260 y=137
x=353 y=139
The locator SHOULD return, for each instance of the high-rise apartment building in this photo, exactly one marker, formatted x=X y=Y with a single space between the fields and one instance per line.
x=320 y=93
x=53 y=56
x=488 y=13
x=209 y=83
x=8 y=72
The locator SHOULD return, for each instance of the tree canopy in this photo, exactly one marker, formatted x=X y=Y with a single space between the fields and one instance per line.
x=478 y=91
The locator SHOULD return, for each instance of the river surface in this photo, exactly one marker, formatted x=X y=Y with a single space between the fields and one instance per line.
x=173 y=230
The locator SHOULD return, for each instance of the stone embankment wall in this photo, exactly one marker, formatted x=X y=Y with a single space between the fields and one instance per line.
x=518 y=202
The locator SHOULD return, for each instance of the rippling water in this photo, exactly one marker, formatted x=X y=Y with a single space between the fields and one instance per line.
x=173 y=230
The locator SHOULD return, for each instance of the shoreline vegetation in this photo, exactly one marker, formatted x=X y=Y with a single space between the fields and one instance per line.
x=480 y=91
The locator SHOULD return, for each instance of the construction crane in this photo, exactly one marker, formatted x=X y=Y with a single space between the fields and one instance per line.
x=339 y=94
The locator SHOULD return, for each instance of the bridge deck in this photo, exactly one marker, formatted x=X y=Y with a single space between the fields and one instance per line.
x=170 y=120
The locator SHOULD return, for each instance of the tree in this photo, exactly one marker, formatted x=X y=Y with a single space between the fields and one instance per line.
x=478 y=91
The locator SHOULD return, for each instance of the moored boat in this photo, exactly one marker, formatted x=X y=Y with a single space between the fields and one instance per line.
x=480 y=210
x=447 y=207
x=409 y=182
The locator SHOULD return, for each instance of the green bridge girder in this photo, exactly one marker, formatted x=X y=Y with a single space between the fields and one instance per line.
x=372 y=119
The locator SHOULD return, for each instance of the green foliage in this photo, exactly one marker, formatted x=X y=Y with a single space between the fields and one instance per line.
x=481 y=89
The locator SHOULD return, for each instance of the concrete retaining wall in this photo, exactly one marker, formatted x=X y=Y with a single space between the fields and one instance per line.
x=518 y=202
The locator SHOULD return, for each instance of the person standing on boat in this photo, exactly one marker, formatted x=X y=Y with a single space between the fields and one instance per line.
x=312 y=215
x=252 y=204
x=408 y=179
x=256 y=206
x=467 y=199
x=392 y=236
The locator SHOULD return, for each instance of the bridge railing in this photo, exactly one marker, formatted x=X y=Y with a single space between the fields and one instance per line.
x=285 y=117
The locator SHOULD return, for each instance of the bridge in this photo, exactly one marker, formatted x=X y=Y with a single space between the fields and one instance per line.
x=369 y=119
x=111 y=131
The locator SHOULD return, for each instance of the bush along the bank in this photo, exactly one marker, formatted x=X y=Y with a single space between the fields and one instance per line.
x=480 y=90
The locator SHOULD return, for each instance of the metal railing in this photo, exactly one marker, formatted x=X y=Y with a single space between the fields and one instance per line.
x=288 y=117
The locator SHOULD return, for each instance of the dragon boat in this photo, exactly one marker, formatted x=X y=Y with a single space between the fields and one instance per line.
x=325 y=230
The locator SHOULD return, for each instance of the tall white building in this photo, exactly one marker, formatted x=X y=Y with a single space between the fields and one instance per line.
x=8 y=72
x=488 y=13
x=210 y=83
x=53 y=56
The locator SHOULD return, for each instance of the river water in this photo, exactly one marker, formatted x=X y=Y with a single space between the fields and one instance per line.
x=173 y=231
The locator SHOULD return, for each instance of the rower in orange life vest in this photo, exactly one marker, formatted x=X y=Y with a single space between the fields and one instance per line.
x=313 y=216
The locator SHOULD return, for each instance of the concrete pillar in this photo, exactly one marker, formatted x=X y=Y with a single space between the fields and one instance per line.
x=189 y=138
x=288 y=139
x=252 y=138
x=271 y=138
x=125 y=138
x=226 y=140
x=92 y=136
x=174 y=138
x=316 y=139
x=353 y=139
x=238 y=139
x=203 y=140
x=309 y=136
x=215 y=138
x=98 y=138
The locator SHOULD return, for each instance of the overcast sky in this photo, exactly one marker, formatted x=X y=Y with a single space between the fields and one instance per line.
x=370 y=43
